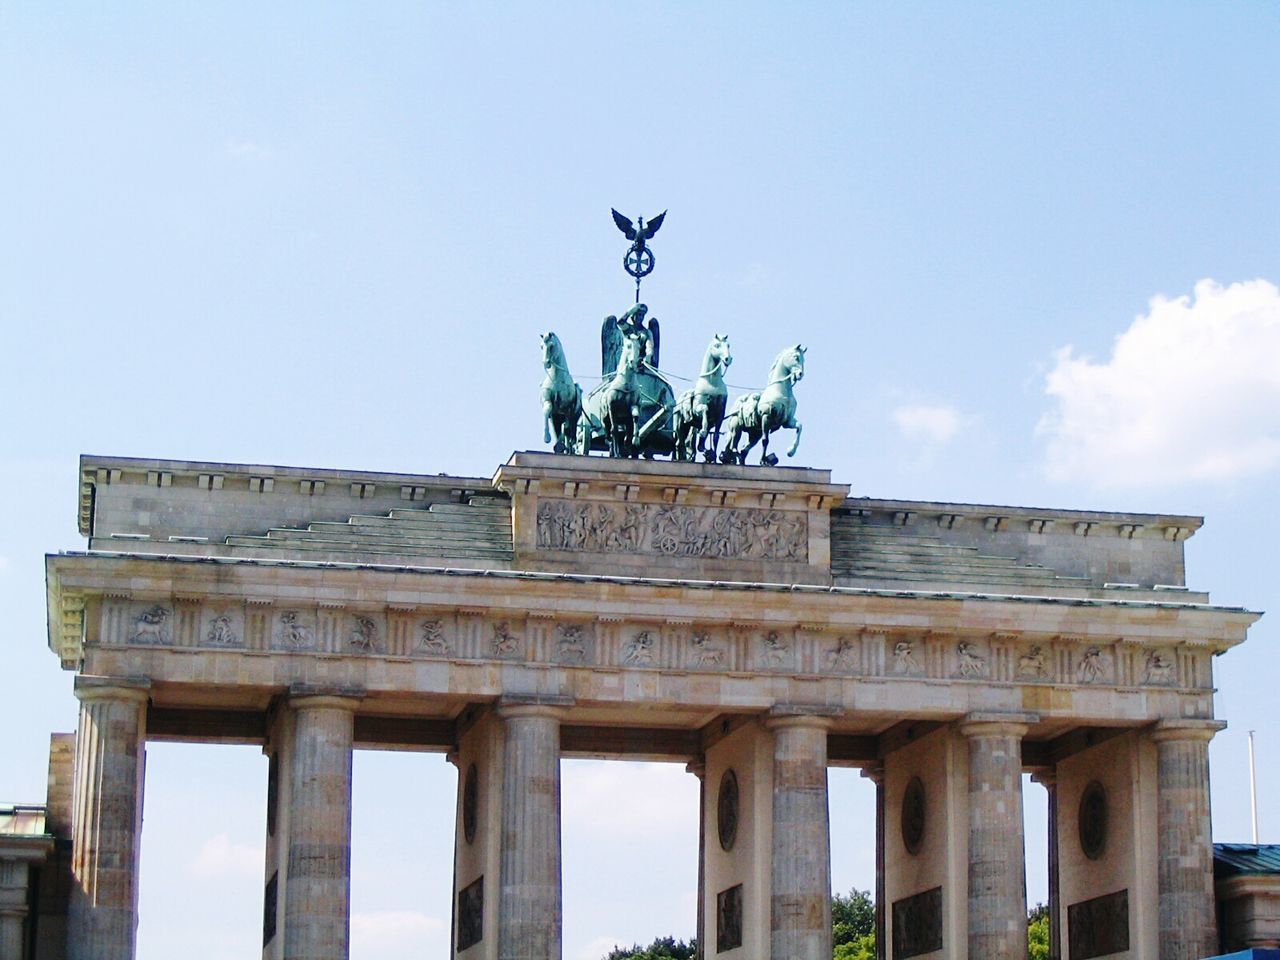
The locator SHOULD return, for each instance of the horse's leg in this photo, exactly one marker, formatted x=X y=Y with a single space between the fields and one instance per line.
x=547 y=408
x=798 y=427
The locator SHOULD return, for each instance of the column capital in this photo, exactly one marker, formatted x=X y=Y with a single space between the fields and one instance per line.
x=551 y=707
x=996 y=724
x=874 y=772
x=818 y=716
x=1191 y=731
x=312 y=696
x=136 y=689
x=697 y=767
x=1047 y=778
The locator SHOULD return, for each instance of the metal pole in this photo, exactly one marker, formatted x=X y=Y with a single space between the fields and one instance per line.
x=1253 y=788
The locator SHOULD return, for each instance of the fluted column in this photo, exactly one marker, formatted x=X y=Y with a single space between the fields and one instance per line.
x=997 y=858
x=1184 y=845
x=107 y=819
x=875 y=773
x=1049 y=780
x=699 y=770
x=800 y=908
x=529 y=895
x=317 y=909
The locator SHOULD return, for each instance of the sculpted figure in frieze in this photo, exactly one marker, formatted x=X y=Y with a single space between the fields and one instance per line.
x=221 y=632
x=433 y=639
x=972 y=663
x=705 y=652
x=639 y=651
x=776 y=652
x=842 y=658
x=1093 y=666
x=294 y=634
x=570 y=646
x=364 y=633
x=1032 y=663
x=904 y=660
x=1159 y=668
x=150 y=626
x=505 y=643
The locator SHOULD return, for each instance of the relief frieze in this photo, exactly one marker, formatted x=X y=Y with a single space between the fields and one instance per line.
x=722 y=533
x=219 y=625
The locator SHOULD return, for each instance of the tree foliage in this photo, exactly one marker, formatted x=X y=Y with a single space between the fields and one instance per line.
x=853 y=934
x=1038 y=933
x=663 y=948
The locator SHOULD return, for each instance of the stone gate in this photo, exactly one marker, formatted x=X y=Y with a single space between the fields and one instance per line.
x=757 y=623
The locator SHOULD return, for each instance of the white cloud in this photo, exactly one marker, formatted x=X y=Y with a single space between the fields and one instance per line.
x=928 y=424
x=1190 y=393
x=221 y=857
x=246 y=149
x=396 y=933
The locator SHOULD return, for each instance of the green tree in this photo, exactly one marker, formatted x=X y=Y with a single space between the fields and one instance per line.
x=663 y=948
x=853 y=926
x=1038 y=932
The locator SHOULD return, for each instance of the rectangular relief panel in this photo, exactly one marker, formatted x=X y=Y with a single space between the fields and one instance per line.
x=729 y=919
x=917 y=924
x=471 y=914
x=1098 y=927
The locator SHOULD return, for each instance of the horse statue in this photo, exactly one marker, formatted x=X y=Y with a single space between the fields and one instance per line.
x=561 y=397
x=759 y=414
x=700 y=411
x=612 y=410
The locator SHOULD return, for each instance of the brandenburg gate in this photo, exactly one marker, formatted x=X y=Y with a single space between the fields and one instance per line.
x=755 y=622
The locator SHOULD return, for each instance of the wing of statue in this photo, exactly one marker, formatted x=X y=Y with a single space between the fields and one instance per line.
x=655 y=334
x=610 y=346
x=652 y=226
x=625 y=225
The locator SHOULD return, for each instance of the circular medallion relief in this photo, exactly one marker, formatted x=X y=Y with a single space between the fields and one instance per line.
x=913 y=816
x=1093 y=820
x=470 y=800
x=727 y=810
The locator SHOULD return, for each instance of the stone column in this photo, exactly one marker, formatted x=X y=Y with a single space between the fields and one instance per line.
x=529 y=894
x=699 y=770
x=997 y=859
x=800 y=907
x=1049 y=780
x=107 y=818
x=875 y=774
x=1188 y=924
x=13 y=930
x=317 y=902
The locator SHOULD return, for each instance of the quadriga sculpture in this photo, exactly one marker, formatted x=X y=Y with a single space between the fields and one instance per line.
x=756 y=415
x=700 y=411
x=561 y=397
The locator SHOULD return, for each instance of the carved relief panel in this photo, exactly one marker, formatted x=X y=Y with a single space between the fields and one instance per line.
x=723 y=533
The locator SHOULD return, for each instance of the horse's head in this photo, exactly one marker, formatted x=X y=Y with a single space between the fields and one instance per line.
x=632 y=350
x=789 y=365
x=718 y=350
x=552 y=352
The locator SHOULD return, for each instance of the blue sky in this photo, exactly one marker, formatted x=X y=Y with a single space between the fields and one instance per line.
x=328 y=236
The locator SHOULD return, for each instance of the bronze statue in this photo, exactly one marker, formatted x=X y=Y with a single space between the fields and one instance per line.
x=756 y=415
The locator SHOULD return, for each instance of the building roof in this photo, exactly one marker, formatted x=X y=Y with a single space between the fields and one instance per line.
x=1233 y=859
x=22 y=820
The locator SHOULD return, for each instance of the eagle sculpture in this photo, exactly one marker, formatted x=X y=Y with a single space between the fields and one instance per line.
x=639 y=232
